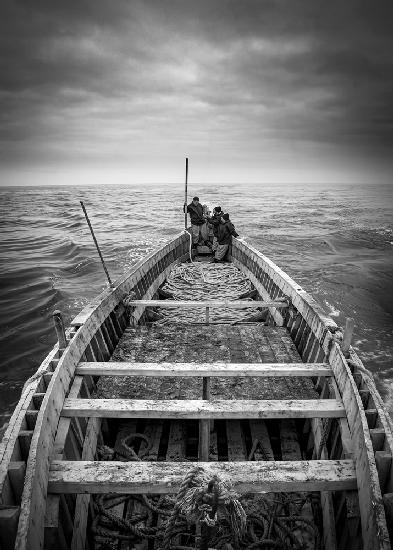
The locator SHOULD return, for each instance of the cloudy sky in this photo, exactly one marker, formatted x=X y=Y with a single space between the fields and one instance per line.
x=251 y=90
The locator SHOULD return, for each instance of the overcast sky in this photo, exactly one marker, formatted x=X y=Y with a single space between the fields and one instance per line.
x=265 y=90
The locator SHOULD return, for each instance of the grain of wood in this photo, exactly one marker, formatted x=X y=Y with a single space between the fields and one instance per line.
x=166 y=477
x=196 y=408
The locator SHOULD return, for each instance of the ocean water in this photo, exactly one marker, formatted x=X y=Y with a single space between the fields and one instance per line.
x=336 y=241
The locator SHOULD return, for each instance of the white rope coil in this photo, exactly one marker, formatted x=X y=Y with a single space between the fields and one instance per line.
x=207 y=281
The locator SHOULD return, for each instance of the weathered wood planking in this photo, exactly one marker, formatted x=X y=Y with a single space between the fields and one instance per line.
x=373 y=520
x=257 y=266
x=18 y=422
x=113 y=368
x=31 y=521
x=198 y=408
x=231 y=304
x=83 y=501
x=236 y=443
x=166 y=477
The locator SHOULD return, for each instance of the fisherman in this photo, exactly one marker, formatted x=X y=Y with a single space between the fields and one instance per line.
x=195 y=209
x=226 y=230
x=215 y=221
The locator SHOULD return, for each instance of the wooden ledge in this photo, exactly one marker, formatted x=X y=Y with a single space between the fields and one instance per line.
x=166 y=477
x=206 y=303
x=123 y=368
x=195 y=408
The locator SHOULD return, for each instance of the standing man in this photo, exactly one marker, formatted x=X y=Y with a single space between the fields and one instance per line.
x=226 y=230
x=215 y=221
x=195 y=210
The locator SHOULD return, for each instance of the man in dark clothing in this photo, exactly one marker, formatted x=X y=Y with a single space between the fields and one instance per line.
x=215 y=221
x=226 y=230
x=195 y=210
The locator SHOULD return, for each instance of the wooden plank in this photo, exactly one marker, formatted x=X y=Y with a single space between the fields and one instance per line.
x=259 y=432
x=198 y=408
x=166 y=477
x=9 y=516
x=31 y=521
x=153 y=431
x=177 y=442
x=290 y=448
x=83 y=501
x=372 y=514
x=388 y=503
x=383 y=461
x=64 y=423
x=373 y=520
x=16 y=474
x=328 y=518
x=236 y=444
x=232 y=304
x=18 y=421
x=114 y=368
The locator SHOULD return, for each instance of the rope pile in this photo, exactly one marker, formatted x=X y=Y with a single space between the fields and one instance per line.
x=205 y=513
x=205 y=281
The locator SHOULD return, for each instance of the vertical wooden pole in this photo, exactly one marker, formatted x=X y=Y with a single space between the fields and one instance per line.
x=185 y=196
x=60 y=332
x=207 y=315
x=204 y=426
x=347 y=338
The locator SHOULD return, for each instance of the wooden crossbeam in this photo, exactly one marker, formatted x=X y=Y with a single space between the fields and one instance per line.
x=202 y=369
x=197 y=409
x=207 y=303
x=166 y=477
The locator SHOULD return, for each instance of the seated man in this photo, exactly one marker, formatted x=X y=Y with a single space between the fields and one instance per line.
x=226 y=230
x=195 y=210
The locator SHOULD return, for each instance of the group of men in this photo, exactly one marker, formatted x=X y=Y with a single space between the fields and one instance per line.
x=223 y=228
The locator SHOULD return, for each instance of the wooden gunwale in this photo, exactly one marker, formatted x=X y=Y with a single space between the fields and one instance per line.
x=373 y=517
x=31 y=521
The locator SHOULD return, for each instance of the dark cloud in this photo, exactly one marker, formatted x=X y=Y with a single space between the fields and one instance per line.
x=86 y=80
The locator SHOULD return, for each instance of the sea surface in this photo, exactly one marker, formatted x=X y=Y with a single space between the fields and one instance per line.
x=336 y=241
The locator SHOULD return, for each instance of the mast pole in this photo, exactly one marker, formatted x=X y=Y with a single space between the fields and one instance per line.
x=96 y=243
x=185 y=196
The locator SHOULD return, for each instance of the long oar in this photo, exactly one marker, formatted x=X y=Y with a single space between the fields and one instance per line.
x=185 y=196
x=96 y=243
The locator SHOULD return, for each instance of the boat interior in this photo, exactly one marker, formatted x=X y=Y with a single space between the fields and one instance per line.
x=256 y=405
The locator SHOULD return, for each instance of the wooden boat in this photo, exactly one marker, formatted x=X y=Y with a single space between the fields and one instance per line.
x=336 y=447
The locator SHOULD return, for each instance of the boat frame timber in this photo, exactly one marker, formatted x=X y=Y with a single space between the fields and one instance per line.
x=30 y=442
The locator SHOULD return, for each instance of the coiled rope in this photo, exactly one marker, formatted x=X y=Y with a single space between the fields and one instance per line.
x=194 y=281
x=223 y=519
